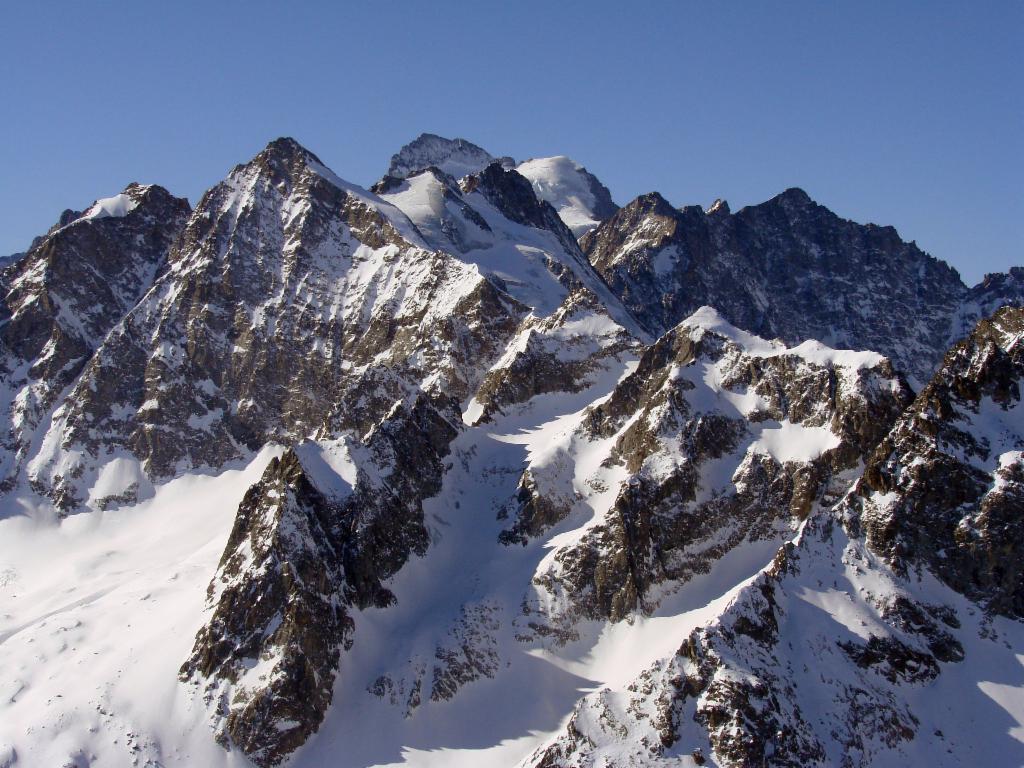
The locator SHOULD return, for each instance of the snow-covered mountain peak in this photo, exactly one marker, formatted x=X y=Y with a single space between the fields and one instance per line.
x=285 y=168
x=580 y=199
x=708 y=318
x=719 y=206
x=494 y=220
x=456 y=157
x=114 y=207
x=282 y=159
x=288 y=149
x=393 y=477
x=119 y=205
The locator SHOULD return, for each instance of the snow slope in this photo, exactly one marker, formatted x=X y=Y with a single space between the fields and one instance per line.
x=780 y=673
x=117 y=206
x=580 y=199
x=97 y=613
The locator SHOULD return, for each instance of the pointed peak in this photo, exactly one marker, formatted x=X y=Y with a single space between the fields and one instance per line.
x=287 y=149
x=508 y=189
x=281 y=161
x=153 y=198
x=142 y=193
x=720 y=206
x=709 y=319
x=120 y=205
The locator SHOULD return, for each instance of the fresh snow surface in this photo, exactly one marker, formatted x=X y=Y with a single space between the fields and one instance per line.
x=118 y=476
x=396 y=217
x=96 y=615
x=98 y=612
x=971 y=714
x=561 y=182
x=794 y=442
x=973 y=711
x=329 y=466
x=117 y=206
x=511 y=252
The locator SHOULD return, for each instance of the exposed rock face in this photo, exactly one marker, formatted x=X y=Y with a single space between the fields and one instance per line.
x=290 y=300
x=455 y=157
x=787 y=268
x=579 y=198
x=719 y=438
x=776 y=680
x=511 y=193
x=946 y=487
x=494 y=221
x=65 y=295
x=307 y=547
x=280 y=619
x=999 y=289
x=6 y=261
x=399 y=370
x=815 y=662
x=564 y=352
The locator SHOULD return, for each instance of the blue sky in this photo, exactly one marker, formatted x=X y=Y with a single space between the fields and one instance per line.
x=908 y=113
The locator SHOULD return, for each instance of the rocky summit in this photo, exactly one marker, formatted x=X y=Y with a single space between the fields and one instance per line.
x=473 y=467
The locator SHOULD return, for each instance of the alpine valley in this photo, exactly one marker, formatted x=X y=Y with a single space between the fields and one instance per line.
x=476 y=468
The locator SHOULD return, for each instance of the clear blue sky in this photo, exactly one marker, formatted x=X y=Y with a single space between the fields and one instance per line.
x=908 y=113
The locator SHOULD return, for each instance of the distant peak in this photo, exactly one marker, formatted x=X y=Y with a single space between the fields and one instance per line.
x=652 y=202
x=579 y=197
x=138 y=192
x=795 y=196
x=719 y=206
x=123 y=203
x=433 y=140
x=455 y=157
x=560 y=162
x=288 y=149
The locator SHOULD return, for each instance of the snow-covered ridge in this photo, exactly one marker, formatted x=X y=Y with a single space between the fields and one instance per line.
x=396 y=217
x=709 y=319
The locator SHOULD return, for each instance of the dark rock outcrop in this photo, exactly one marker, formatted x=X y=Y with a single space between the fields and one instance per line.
x=946 y=487
x=305 y=550
x=788 y=268
x=65 y=295
x=290 y=300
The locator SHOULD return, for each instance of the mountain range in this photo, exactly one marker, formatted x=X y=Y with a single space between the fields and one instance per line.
x=475 y=467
